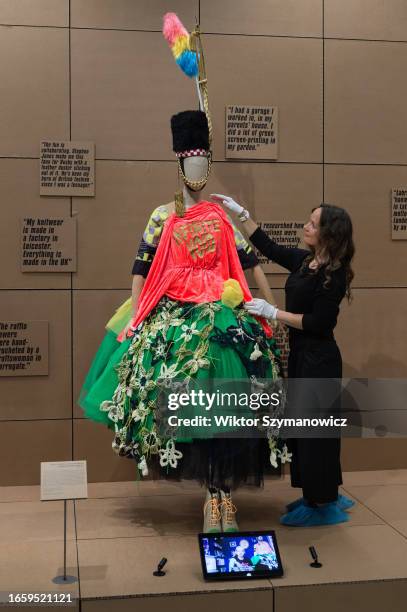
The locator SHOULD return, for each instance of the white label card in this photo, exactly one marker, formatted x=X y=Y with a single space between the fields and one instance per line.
x=64 y=480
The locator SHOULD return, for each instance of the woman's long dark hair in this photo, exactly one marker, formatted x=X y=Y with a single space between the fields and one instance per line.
x=336 y=241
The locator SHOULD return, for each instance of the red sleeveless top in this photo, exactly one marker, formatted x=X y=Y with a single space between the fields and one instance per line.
x=195 y=255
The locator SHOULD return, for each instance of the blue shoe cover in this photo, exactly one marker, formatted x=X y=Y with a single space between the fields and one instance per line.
x=295 y=504
x=307 y=516
x=343 y=502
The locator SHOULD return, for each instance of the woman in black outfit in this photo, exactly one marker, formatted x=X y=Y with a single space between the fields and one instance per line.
x=318 y=281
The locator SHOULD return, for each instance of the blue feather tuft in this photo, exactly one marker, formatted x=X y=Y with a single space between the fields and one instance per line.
x=188 y=64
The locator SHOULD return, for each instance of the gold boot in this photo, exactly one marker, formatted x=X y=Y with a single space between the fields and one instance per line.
x=212 y=517
x=228 y=511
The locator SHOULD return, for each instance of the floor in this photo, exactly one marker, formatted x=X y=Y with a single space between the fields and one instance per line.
x=117 y=536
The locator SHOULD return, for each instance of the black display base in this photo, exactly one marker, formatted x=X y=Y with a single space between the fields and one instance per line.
x=64 y=579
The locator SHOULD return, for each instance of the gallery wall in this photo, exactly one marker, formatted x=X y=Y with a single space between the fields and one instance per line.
x=100 y=71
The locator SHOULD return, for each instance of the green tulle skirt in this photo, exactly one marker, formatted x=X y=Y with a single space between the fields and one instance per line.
x=177 y=345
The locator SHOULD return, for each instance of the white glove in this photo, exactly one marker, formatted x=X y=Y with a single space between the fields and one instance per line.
x=261 y=308
x=229 y=203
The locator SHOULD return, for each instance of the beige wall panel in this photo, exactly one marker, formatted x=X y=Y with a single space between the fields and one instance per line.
x=371 y=19
x=360 y=454
x=371 y=334
x=91 y=312
x=93 y=442
x=38 y=13
x=269 y=191
x=365 y=110
x=283 y=72
x=35 y=88
x=365 y=192
x=24 y=444
x=19 y=195
x=40 y=397
x=110 y=226
x=289 y=18
x=125 y=87
x=131 y=15
x=274 y=192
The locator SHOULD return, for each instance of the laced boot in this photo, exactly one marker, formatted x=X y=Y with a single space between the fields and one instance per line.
x=228 y=511
x=212 y=516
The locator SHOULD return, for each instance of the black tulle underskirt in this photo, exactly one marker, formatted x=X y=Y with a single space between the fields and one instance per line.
x=220 y=462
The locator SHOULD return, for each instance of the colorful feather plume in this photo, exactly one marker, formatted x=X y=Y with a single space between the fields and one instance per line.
x=178 y=38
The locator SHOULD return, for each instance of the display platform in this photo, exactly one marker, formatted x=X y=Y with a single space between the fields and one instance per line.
x=118 y=535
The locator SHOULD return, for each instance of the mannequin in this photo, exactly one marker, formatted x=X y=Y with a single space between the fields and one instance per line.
x=178 y=326
x=184 y=323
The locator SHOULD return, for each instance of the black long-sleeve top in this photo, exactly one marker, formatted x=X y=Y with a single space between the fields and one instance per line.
x=304 y=290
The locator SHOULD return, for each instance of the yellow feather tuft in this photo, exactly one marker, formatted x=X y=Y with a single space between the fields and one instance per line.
x=180 y=45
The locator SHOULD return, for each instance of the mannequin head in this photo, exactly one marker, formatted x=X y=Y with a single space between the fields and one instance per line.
x=190 y=135
x=195 y=168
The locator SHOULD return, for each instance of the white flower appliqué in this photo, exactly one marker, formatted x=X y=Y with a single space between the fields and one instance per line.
x=140 y=413
x=115 y=413
x=273 y=451
x=256 y=353
x=273 y=458
x=256 y=384
x=195 y=364
x=189 y=331
x=285 y=456
x=169 y=455
x=106 y=405
x=167 y=373
x=142 y=466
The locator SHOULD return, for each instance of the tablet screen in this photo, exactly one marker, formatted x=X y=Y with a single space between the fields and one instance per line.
x=249 y=554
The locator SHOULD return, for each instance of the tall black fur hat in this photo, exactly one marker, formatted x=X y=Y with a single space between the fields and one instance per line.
x=189 y=131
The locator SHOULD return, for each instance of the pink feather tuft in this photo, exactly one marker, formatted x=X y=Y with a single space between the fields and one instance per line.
x=173 y=28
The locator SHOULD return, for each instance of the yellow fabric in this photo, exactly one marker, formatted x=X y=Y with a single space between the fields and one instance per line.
x=232 y=294
x=121 y=317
